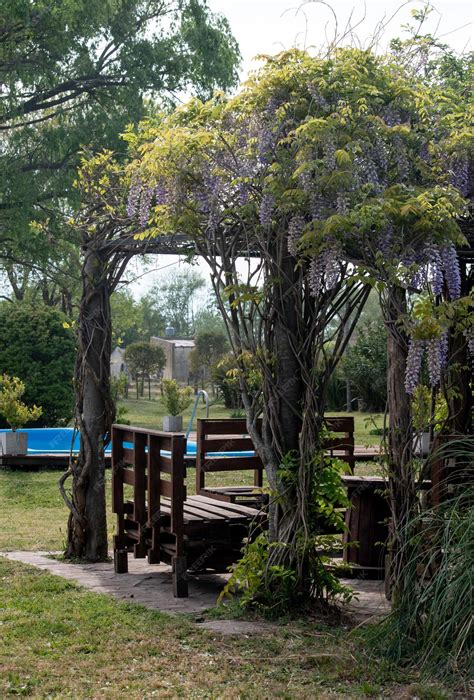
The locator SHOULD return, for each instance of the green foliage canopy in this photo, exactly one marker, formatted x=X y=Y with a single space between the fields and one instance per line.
x=365 y=364
x=74 y=73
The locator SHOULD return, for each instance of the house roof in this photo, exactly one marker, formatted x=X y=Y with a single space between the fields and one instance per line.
x=177 y=342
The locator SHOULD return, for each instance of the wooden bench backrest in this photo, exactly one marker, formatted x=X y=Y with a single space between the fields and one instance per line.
x=152 y=463
x=344 y=425
x=220 y=436
x=230 y=435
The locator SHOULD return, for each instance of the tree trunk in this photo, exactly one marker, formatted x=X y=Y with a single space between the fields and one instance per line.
x=87 y=527
x=402 y=484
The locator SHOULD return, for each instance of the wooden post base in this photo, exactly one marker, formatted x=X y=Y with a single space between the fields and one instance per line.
x=120 y=561
x=180 y=580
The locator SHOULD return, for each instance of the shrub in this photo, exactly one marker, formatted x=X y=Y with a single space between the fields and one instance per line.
x=177 y=398
x=430 y=626
x=15 y=412
x=38 y=347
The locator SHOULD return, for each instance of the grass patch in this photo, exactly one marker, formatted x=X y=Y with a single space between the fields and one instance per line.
x=149 y=414
x=59 y=640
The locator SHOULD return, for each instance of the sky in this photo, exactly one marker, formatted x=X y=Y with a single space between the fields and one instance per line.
x=270 y=26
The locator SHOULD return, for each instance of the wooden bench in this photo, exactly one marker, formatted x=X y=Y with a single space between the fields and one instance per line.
x=218 y=437
x=157 y=520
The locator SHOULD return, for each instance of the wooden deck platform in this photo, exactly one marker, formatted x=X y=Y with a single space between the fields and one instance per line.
x=35 y=462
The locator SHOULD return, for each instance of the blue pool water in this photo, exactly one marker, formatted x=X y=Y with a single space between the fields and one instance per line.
x=58 y=441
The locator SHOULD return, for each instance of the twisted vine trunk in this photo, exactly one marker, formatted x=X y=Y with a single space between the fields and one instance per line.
x=87 y=526
x=402 y=481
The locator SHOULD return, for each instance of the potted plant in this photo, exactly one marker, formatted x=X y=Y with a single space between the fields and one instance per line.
x=425 y=417
x=16 y=413
x=177 y=399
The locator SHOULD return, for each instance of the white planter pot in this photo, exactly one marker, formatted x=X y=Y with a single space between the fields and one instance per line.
x=13 y=443
x=173 y=424
x=421 y=445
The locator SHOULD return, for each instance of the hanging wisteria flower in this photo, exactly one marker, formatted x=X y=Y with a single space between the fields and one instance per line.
x=316 y=205
x=459 y=173
x=146 y=197
x=470 y=345
x=134 y=197
x=305 y=180
x=435 y=270
x=267 y=205
x=452 y=271
x=332 y=269
x=413 y=368
x=315 y=275
x=444 y=349
x=434 y=361
x=295 y=229
x=160 y=194
x=319 y=99
x=342 y=203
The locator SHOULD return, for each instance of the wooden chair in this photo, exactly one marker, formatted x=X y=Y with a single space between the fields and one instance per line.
x=217 y=440
x=341 y=446
x=158 y=521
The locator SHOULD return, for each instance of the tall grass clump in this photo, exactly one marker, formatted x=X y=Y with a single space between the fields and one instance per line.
x=431 y=623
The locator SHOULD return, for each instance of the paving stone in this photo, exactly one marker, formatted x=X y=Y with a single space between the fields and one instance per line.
x=151 y=586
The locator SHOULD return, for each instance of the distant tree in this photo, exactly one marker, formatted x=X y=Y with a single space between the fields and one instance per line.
x=39 y=347
x=209 y=318
x=144 y=360
x=74 y=74
x=127 y=319
x=365 y=365
x=174 y=298
x=210 y=346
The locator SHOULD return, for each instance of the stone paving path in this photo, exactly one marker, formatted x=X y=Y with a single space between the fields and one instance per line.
x=151 y=586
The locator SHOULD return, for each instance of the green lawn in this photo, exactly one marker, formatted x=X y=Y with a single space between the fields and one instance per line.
x=149 y=414
x=59 y=640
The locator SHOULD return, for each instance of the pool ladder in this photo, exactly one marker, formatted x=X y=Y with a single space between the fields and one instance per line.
x=205 y=397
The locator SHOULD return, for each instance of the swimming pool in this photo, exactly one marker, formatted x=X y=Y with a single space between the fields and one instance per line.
x=57 y=441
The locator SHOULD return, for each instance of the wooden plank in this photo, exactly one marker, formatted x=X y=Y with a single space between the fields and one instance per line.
x=128 y=476
x=154 y=499
x=223 y=426
x=226 y=444
x=215 y=508
x=340 y=424
x=139 y=468
x=122 y=433
x=178 y=473
x=340 y=443
x=166 y=488
x=117 y=476
x=246 y=510
x=128 y=455
x=229 y=464
x=128 y=430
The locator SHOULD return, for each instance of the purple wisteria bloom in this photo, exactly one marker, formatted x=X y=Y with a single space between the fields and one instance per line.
x=434 y=361
x=315 y=275
x=267 y=206
x=145 y=205
x=413 y=368
x=134 y=197
x=295 y=229
x=452 y=271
